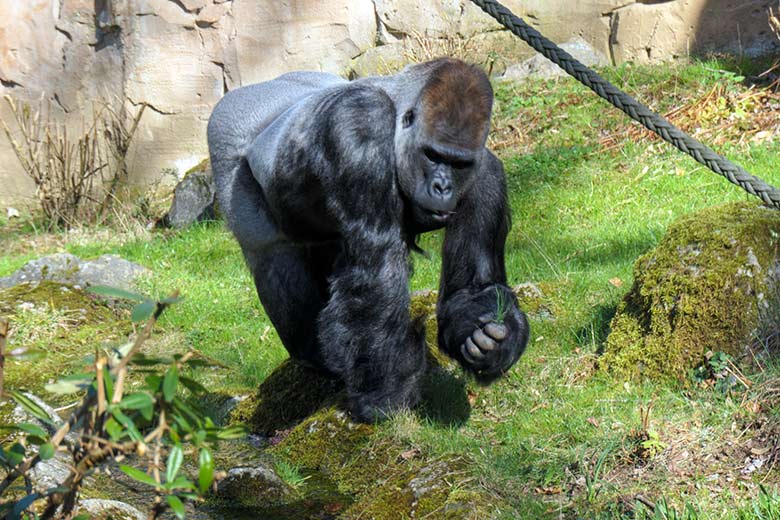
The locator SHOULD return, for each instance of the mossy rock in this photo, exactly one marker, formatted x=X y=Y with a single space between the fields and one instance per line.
x=698 y=291
x=386 y=478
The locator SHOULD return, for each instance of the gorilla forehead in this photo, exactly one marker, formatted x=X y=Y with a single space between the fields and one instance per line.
x=456 y=103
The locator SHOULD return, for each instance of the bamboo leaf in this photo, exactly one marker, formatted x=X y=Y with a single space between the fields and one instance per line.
x=176 y=505
x=143 y=311
x=170 y=382
x=113 y=292
x=206 y=471
x=174 y=463
x=137 y=474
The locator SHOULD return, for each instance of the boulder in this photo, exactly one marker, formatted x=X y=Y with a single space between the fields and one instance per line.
x=68 y=269
x=700 y=291
x=193 y=198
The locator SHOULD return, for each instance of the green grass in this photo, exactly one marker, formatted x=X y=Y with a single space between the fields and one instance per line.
x=552 y=439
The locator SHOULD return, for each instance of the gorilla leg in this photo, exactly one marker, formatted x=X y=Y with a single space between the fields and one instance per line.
x=291 y=282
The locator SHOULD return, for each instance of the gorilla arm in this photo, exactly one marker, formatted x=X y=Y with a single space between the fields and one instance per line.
x=480 y=322
x=365 y=330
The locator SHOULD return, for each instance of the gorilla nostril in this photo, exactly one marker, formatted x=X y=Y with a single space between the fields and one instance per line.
x=441 y=188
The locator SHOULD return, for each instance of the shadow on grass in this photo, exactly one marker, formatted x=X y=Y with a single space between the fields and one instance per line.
x=444 y=398
x=594 y=334
x=294 y=392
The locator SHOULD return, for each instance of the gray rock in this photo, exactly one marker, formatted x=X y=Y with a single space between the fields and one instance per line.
x=193 y=200
x=68 y=269
x=98 y=508
x=253 y=486
x=51 y=473
x=541 y=67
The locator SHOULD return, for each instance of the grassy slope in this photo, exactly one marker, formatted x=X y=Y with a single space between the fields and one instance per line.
x=552 y=437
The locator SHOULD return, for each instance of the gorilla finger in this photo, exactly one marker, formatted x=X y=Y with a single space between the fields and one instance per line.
x=474 y=350
x=483 y=340
x=496 y=331
x=485 y=318
x=464 y=351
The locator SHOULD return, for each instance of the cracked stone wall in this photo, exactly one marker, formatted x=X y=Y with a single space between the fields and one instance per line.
x=180 y=56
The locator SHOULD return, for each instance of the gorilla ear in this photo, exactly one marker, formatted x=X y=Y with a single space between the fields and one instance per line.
x=408 y=118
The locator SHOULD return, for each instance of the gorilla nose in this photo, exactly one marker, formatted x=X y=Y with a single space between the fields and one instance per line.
x=441 y=188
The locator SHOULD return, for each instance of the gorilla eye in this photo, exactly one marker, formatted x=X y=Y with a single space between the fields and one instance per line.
x=408 y=119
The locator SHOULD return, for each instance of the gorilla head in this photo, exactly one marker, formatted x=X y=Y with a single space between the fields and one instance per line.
x=440 y=141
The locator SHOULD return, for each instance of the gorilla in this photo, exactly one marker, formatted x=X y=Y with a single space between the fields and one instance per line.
x=327 y=183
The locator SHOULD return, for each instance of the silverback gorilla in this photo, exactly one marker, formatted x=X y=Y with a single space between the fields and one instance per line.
x=326 y=184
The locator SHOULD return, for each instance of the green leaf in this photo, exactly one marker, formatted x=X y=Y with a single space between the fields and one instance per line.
x=153 y=382
x=181 y=482
x=136 y=401
x=30 y=406
x=113 y=292
x=176 y=505
x=206 y=471
x=143 y=311
x=113 y=429
x=128 y=423
x=171 y=301
x=193 y=386
x=82 y=516
x=137 y=474
x=237 y=431
x=169 y=383
x=32 y=429
x=16 y=454
x=147 y=412
x=143 y=360
x=35 y=440
x=108 y=383
x=175 y=458
x=22 y=505
x=64 y=386
x=46 y=451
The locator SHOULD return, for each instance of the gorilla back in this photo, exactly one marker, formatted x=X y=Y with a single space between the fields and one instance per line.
x=326 y=183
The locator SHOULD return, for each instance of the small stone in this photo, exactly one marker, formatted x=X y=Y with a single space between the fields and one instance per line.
x=113 y=509
x=253 y=486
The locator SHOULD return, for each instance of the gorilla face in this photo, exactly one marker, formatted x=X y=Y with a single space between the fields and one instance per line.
x=436 y=169
x=440 y=140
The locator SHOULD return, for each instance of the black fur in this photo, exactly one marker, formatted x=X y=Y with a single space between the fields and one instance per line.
x=326 y=196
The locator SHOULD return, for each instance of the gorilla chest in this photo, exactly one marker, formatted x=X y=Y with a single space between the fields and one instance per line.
x=299 y=207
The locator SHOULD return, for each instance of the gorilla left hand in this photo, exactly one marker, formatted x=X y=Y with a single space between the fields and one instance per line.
x=485 y=339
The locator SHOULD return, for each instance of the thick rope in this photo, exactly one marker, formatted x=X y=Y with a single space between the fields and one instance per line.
x=652 y=121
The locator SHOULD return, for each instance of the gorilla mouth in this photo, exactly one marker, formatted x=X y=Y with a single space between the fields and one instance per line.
x=440 y=216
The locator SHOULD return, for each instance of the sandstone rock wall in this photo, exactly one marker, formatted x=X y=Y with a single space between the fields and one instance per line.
x=180 y=56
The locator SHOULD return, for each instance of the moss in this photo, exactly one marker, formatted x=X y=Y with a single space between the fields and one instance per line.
x=697 y=291
x=373 y=469
x=202 y=167
x=60 y=325
x=324 y=441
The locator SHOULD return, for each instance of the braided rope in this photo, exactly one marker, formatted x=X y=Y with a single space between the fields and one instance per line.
x=637 y=111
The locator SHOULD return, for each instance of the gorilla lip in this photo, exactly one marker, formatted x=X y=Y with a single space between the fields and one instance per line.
x=440 y=216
